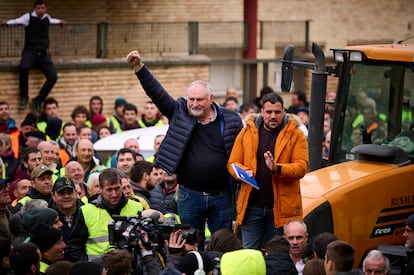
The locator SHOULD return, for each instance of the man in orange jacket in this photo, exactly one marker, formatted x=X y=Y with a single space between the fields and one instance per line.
x=274 y=150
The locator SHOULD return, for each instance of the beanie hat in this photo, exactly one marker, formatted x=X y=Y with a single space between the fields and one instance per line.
x=410 y=221
x=120 y=101
x=30 y=120
x=36 y=216
x=302 y=109
x=45 y=237
x=98 y=119
x=86 y=268
x=5 y=181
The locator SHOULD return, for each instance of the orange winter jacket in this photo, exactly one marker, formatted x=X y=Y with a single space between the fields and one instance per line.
x=291 y=153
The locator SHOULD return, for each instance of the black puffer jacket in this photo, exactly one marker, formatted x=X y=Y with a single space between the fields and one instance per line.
x=182 y=123
x=280 y=263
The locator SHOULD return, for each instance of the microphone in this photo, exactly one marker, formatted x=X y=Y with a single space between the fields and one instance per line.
x=155 y=216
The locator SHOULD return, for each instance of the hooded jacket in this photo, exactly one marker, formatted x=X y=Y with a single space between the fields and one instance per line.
x=243 y=261
x=291 y=154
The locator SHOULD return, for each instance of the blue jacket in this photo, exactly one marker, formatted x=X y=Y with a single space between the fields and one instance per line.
x=163 y=199
x=182 y=123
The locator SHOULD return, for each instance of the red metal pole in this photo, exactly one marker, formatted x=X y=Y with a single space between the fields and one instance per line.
x=250 y=17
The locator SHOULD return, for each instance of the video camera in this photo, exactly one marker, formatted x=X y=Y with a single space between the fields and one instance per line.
x=126 y=231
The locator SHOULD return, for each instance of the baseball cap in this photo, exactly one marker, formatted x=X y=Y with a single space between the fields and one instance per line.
x=5 y=181
x=63 y=183
x=40 y=170
x=35 y=134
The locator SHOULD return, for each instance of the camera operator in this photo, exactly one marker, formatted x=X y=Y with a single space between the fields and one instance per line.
x=151 y=264
x=176 y=249
x=182 y=257
x=151 y=241
x=179 y=244
x=89 y=237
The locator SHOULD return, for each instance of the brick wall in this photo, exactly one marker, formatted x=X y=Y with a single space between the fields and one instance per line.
x=131 y=11
x=336 y=22
x=76 y=86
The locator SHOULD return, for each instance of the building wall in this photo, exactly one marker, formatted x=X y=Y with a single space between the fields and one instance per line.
x=338 y=23
x=131 y=10
x=334 y=23
x=76 y=86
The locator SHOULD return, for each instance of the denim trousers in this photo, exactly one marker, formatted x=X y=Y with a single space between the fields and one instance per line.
x=196 y=208
x=258 y=227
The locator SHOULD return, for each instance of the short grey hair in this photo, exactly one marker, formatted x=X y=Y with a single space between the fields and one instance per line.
x=204 y=84
x=377 y=255
x=92 y=177
x=133 y=139
x=34 y=203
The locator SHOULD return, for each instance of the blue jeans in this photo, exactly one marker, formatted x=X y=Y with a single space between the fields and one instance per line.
x=258 y=227
x=195 y=208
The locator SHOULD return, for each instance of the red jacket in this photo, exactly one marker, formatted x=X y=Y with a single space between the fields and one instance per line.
x=291 y=153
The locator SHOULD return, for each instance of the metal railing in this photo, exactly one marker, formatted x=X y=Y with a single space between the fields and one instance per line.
x=113 y=40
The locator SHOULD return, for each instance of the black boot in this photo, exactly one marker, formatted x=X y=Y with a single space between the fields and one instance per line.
x=22 y=103
x=36 y=107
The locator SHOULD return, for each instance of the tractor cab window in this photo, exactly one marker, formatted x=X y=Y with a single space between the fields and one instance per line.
x=407 y=116
x=367 y=109
x=380 y=106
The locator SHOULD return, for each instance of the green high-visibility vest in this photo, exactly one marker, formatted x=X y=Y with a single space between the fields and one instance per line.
x=97 y=220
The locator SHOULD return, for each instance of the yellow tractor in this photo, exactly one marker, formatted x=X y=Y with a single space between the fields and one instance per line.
x=362 y=193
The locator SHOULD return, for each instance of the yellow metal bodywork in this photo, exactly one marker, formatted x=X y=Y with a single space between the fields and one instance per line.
x=366 y=199
x=389 y=52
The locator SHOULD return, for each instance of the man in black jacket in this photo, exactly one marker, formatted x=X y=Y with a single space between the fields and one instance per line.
x=66 y=203
x=277 y=259
x=196 y=148
x=35 y=52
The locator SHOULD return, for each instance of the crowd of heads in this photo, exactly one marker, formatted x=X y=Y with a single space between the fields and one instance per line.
x=49 y=169
x=132 y=177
